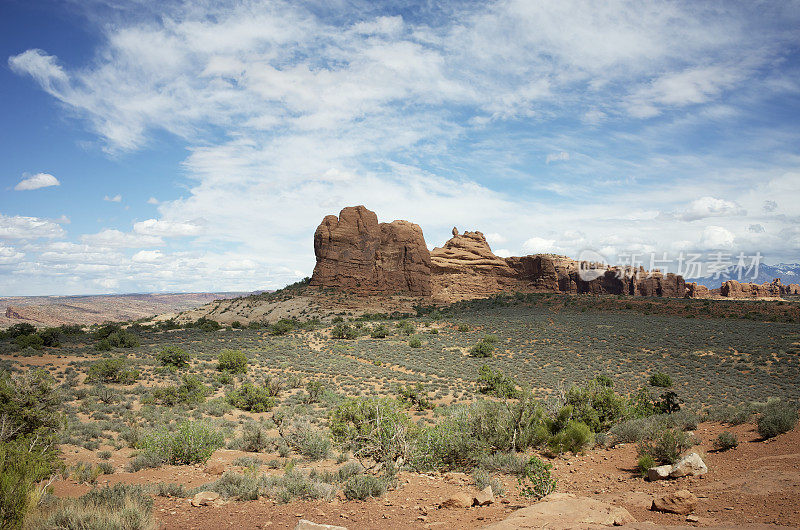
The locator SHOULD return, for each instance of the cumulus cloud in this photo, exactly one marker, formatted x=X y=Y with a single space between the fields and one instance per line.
x=159 y=227
x=147 y=256
x=117 y=239
x=34 y=182
x=153 y=200
x=540 y=245
x=10 y=255
x=115 y=198
x=769 y=206
x=716 y=238
x=19 y=227
x=711 y=207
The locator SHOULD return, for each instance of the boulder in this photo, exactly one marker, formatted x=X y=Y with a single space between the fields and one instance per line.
x=459 y=500
x=659 y=472
x=304 y=524
x=564 y=510
x=690 y=465
x=682 y=502
x=206 y=498
x=357 y=253
x=485 y=497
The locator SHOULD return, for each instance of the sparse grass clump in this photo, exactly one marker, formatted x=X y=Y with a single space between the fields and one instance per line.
x=117 y=507
x=667 y=446
x=725 y=441
x=362 y=487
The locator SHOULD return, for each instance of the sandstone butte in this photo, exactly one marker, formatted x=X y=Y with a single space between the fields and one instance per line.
x=356 y=253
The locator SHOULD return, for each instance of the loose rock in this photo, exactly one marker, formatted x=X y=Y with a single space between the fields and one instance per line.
x=682 y=502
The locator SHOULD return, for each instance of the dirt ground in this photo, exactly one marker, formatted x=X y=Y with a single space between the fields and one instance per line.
x=755 y=484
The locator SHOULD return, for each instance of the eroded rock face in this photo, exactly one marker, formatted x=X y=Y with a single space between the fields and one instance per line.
x=357 y=253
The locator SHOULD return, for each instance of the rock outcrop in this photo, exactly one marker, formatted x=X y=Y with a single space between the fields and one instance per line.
x=356 y=253
x=774 y=289
x=564 y=510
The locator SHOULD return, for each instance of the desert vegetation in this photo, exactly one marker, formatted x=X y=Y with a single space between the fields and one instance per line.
x=496 y=387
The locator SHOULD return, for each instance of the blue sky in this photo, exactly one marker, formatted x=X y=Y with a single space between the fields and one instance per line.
x=169 y=146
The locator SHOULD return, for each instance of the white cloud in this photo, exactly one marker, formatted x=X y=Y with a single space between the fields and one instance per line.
x=153 y=200
x=10 y=255
x=159 y=227
x=147 y=256
x=495 y=238
x=41 y=67
x=716 y=238
x=115 y=198
x=34 y=182
x=117 y=239
x=556 y=157
x=711 y=207
x=19 y=227
x=540 y=245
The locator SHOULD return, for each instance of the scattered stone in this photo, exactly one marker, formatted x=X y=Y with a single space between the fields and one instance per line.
x=485 y=497
x=458 y=500
x=659 y=472
x=565 y=510
x=692 y=519
x=682 y=502
x=206 y=498
x=304 y=524
x=214 y=468
x=690 y=465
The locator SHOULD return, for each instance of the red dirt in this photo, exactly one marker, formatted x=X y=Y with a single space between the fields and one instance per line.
x=757 y=483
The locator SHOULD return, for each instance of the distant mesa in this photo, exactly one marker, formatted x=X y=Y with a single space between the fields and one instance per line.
x=356 y=253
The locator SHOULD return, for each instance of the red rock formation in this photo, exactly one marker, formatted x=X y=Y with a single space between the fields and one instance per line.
x=693 y=290
x=356 y=253
x=774 y=289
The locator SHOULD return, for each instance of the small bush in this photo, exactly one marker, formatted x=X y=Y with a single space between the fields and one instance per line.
x=644 y=463
x=191 y=443
x=344 y=331
x=372 y=427
x=414 y=396
x=482 y=350
x=575 y=437
x=463 y=328
x=173 y=356
x=660 y=379
x=112 y=371
x=494 y=383
x=535 y=481
x=315 y=390
x=362 y=487
x=667 y=446
x=121 y=506
x=281 y=327
x=251 y=397
x=726 y=440
x=777 y=418
x=191 y=391
x=379 y=332
x=307 y=440
x=414 y=342
x=233 y=361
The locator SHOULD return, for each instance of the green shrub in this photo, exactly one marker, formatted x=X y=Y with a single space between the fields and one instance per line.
x=362 y=487
x=307 y=440
x=575 y=437
x=315 y=389
x=482 y=350
x=251 y=397
x=660 y=379
x=596 y=405
x=726 y=440
x=232 y=485
x=414 y=342
x=667 y=446
x=463 y=328
x=233 y=361
x=372 y=427
x=495 y=383
x=414 y=396
x=379 y=332
x=191 y=391
x=343 y=331
x=191 y=443
x=112 y=371
x=406 y=327
x=483 y=479
x=777 y=418
x=34 y=341
x=113 y=336
x=281 y=327
x=173 y=356
x=18 y=330
x=535 y=481
x=644 y=463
